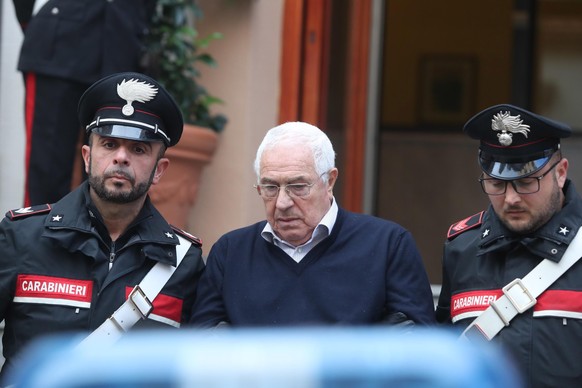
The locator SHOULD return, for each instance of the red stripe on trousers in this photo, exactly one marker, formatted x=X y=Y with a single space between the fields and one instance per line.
x=30 y=99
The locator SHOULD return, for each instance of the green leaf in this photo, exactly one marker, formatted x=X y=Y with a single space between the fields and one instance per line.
x=174 y=53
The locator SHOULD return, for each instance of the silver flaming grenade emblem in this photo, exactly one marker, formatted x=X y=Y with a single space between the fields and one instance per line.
x=135 y=90
x=508 y=125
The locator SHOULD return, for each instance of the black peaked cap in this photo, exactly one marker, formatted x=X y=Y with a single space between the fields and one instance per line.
x=514 y=142
x=131 y=106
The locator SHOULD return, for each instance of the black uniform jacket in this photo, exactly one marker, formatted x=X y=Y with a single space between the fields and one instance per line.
x=55 y=276
x=481 y=256
x=83 y=40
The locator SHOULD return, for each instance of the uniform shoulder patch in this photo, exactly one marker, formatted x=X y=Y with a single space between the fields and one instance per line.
x=24 y=212
x=190 y=237
x=465 y=224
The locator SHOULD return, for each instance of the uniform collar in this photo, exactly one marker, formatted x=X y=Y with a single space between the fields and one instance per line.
x=550 y=241
x=76 y=212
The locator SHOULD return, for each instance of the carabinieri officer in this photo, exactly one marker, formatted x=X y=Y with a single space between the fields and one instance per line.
x=71 y=265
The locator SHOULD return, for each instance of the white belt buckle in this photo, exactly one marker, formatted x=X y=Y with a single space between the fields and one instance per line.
x=520 y=308
x=140 y=301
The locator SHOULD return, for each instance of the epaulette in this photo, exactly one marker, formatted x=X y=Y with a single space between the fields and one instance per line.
x=190 y=237
x=24 y=212
x=465 y=224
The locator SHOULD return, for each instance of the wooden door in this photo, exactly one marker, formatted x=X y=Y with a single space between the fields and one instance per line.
x=311 y=53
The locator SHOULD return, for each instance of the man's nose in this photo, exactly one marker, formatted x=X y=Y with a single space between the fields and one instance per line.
x=511 y=195
x=284 y=200
x=121 y=156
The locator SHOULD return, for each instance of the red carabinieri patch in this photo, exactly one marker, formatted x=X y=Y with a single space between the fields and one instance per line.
x=53 y=290
x=167 y=309
x=551 y=303
x=470 y=304
x=559 y=303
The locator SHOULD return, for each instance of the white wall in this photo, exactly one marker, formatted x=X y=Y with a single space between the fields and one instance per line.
x=11 y=113
x=247 y=79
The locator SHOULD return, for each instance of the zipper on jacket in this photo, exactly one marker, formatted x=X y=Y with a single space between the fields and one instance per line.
x=111 y=255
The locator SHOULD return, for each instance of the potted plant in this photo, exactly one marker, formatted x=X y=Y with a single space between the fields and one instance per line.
x=174 y=54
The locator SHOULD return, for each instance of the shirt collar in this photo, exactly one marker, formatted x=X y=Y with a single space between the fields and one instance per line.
x=323 y=228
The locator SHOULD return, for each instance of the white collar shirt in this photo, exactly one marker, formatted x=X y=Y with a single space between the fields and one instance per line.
x=321 y=231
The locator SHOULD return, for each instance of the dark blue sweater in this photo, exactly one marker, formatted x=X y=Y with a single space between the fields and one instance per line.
x=365 y=270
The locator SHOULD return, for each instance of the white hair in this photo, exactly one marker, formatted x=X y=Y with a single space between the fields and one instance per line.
x=300 y=133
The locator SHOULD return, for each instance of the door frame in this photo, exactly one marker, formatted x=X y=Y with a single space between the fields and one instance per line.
x=304 y=73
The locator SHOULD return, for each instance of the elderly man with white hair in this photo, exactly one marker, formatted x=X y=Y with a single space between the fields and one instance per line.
x=310 y=262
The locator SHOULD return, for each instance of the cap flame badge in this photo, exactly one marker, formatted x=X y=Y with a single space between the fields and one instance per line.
x=134 y=90
x=508 y=125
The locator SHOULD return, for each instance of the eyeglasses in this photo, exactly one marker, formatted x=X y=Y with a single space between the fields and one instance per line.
x=529 y=185
x=300 y=190
x=293 y=190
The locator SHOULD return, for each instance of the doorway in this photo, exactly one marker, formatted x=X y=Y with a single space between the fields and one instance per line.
x=395 y=110
x=442 y=63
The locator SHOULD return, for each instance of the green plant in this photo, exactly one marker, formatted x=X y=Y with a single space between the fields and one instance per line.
x=173 y=59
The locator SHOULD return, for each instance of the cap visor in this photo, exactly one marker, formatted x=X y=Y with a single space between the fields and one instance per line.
x=508 y=171
x=126 y=132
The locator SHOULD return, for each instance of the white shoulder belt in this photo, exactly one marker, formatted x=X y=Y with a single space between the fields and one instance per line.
x=139 y=302
x=520 y=294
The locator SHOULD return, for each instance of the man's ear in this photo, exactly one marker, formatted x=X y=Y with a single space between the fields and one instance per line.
x=562 y=172
x=161 y=167
x=331 y=179
x=86 y=154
